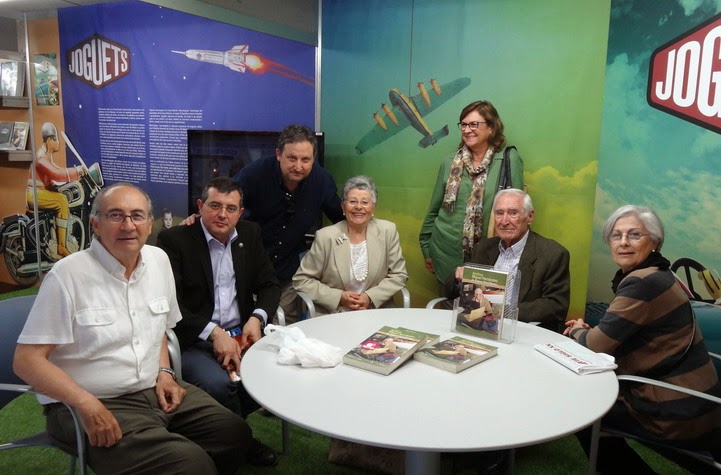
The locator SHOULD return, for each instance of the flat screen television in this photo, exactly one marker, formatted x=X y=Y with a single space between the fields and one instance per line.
x=213 y=153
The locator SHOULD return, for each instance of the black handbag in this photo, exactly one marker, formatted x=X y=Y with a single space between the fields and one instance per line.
x=504 y=178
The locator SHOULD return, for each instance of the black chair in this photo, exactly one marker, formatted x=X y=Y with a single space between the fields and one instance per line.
x=672 y=452
x=13 y=313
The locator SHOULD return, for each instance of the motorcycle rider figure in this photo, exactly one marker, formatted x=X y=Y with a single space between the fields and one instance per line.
x=47 y=177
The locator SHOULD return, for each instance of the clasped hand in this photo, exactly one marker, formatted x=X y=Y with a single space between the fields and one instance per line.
x=354 y=300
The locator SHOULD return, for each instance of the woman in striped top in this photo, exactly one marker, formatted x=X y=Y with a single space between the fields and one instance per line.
x=650 y=329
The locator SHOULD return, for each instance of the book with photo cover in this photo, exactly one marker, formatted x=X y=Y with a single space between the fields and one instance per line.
x=12 y=78
x=20 y=135
x=482 y=302
x=455 y=354
x=385 y=350
x=6 y=133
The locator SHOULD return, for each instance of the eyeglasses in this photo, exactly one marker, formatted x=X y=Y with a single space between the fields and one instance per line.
x=470 y=125
x=631 y=236
x=511 y=213
x=362 y=203
x=117 y=217
x=230 y=209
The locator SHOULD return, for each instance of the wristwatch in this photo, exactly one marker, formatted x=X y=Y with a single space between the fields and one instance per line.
x=168 y=370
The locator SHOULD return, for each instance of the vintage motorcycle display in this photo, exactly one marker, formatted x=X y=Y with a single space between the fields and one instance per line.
x=18 y=239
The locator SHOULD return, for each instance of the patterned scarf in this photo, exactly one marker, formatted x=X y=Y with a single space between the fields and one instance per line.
x=473 y=221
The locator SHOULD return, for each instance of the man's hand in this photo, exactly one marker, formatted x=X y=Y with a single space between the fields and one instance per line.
x=459 y=273
x=189 y=220
x=225 y=348
x=429 y=265
x=169 y=393
x=101 y=426
x=251 y=333
x=354 y=300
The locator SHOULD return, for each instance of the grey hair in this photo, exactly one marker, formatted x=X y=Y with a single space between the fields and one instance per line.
x=100 y=197
x=527 y=202
x=646 y=215
x=361 y=182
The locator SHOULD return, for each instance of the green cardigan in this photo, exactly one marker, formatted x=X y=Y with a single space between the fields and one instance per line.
x=442 y=232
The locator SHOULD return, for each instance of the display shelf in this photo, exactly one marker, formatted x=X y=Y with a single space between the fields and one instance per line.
x=17 y=155
x=14 y=102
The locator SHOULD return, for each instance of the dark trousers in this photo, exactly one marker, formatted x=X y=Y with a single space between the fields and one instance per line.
x=202 y=369
x=199 y=437
x=616 y=456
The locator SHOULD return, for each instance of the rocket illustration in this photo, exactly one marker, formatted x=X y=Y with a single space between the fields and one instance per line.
x=237 y=58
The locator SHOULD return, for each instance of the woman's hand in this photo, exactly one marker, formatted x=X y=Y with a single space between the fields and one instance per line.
x=429 y=265
x=354 y=300
x=574 y=324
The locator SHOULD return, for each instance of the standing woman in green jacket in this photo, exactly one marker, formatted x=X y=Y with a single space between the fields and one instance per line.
x=459 y=214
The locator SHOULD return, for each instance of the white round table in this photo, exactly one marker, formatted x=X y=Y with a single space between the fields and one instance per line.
x=517 y=398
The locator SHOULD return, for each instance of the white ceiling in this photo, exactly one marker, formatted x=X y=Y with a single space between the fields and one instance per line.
x=297 y=14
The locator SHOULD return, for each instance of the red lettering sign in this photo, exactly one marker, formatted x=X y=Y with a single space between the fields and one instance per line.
x=98 y=61
x=685 y=76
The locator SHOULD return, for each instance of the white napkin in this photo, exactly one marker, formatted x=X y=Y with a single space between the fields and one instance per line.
x=577 y=357
x=295 y=348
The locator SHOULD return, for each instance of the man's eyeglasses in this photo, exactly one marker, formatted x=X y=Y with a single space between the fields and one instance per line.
x=631 y=236
x=511 y=213
x=230 y=209
x=117 y=217
x=470 y=125
x=362 y=203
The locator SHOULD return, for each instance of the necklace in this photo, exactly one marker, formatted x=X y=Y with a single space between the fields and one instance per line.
x=359 y=261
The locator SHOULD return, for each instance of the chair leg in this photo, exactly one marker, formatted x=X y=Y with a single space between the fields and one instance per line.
x=71 y=466
x=285 y=436
x=593 y=455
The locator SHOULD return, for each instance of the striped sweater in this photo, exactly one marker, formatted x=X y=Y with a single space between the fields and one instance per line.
x=650 y=329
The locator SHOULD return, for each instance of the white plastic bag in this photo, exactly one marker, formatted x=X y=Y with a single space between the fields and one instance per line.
x=295 y=348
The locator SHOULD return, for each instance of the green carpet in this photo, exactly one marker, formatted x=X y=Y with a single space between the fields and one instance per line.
x=307 y=455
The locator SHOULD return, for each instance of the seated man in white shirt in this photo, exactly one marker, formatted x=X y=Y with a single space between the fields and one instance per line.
x=95 y=339
x=544 y=288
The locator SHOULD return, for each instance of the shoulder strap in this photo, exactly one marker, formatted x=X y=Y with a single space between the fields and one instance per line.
x=504 y=177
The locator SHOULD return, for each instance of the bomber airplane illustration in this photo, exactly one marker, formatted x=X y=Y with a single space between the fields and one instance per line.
x=407 y=111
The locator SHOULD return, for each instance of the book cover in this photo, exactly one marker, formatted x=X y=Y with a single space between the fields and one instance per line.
x=455 y=354
x=385 y=350
x=11 y=76
x=6 y=132
x=430 y=338
x=482 y=302
x=20 y=135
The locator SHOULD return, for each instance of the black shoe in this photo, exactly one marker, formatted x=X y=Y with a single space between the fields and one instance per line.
x=261 y=455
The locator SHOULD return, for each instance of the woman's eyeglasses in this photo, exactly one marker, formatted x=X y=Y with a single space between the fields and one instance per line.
x=631 y=236
x=470 y=125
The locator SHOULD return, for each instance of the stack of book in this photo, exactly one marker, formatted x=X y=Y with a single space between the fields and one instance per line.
x=387 y=349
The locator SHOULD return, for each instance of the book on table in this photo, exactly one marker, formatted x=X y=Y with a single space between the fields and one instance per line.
x=486 y=306
x=386 y=349
x=455 y=354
